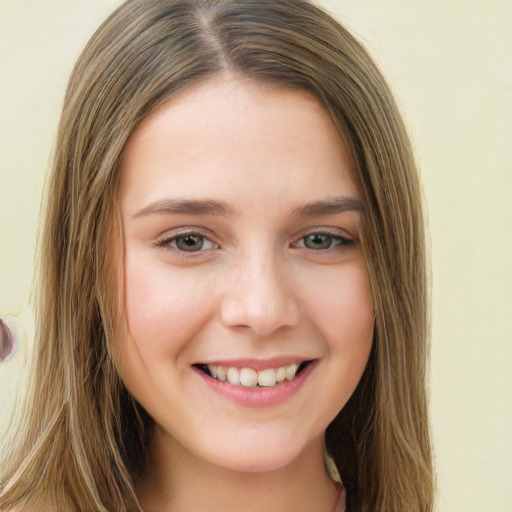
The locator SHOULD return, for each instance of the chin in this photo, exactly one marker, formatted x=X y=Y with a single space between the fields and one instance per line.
x=249 y=456
x=261 y=463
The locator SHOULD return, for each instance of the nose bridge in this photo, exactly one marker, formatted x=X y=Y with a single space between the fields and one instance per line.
x=259 y=296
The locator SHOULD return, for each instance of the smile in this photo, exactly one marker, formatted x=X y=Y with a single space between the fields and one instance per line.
x=251 y=378
x=254 y=383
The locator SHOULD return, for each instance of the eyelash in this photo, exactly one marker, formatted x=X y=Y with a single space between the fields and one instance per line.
x=338 y=242
x=168 y=242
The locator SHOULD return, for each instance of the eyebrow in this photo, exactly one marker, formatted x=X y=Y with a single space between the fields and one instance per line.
x=187 y=206
x=329 y=206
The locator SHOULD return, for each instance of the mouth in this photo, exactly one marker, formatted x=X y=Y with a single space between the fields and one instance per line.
x=251 y=378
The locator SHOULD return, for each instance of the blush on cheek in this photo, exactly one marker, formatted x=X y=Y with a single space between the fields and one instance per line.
x=164 y=305
x=345 y=304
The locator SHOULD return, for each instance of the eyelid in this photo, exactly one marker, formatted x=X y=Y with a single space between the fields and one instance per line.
x=165 y=240
x=335 y=233
x=329 y=231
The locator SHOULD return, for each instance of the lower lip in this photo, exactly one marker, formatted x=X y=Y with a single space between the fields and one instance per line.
x=258 y=397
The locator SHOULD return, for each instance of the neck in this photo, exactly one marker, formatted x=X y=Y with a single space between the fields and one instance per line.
x=176 y=480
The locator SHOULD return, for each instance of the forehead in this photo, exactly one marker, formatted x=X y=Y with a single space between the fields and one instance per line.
x=231 y=137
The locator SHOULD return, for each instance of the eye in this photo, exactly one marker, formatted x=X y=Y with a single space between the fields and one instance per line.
x=323 y=241
x=189 y=242
x=319 y=241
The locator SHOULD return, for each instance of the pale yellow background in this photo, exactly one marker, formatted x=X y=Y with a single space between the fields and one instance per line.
x=450 y=64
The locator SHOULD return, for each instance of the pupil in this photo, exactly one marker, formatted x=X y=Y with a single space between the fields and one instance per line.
x=190 y=243
x=318 y=241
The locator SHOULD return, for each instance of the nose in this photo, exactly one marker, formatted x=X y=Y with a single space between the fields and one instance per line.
x=259 y=296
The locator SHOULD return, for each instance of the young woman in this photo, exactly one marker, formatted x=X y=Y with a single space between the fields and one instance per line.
x=232 y=307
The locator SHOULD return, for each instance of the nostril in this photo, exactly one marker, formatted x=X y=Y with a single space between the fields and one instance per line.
x=6 y=342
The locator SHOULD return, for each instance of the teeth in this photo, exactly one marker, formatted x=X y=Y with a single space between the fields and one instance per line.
x=221 y=372
x=250 y=378
x=233 y=376
x=267 y=378
x=291 y=371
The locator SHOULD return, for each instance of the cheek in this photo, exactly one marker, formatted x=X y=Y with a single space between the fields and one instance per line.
x=349 y=335
x=162 y=303
x=342 y=308
x=341 y=312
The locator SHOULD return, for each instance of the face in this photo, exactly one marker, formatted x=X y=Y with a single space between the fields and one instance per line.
x=248 y=318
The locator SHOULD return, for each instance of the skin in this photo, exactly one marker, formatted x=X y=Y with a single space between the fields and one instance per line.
x=257 y=288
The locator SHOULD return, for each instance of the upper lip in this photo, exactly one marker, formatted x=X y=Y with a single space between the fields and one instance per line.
x=257 y=364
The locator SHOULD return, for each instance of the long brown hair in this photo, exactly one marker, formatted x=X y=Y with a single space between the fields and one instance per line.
x=83 y=436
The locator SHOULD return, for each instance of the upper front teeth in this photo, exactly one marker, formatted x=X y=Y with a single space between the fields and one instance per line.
x=251 y=378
